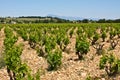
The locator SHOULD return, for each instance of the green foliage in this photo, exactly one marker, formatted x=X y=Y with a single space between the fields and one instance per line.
x=112 y=34
x=103 y=36
x=34 y=77
x=88 y=78
x=90 y=33
x=33 y=37
x=12 y=57
x=66 y=41
x=1 y=27
x=110 y=64
x=95 y=38
x=54 y=59
x=48 y=37
x=71 y=33
x=50 y=44
x=30 y=77
x=103 y=61
x=62 y=40
x=37 y=75
x=79 y=31
x=10 y=39
x=82 y=47
x=14 y=63
x=118 y=33
x=22 y=32
x=24 y=36
x=59 y=39
x=2 y=61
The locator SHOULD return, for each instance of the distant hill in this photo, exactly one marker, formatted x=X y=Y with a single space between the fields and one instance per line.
x=33 y=19
x=54 y=19
x=71 y=17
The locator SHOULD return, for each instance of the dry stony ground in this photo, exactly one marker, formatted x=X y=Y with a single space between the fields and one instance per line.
x=71 y=68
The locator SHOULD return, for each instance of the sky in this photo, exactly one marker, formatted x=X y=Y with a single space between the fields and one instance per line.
x=109 y=9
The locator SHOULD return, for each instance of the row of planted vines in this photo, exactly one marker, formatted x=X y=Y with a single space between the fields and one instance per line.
x=51 y=40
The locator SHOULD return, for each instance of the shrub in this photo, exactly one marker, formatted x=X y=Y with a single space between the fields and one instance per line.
x=54 y=59
x=65 y=43
x=103 y=36
x=112 y=34
x=110 y=64
x=50 y=44
x=82 y=47
x=14 y=64
x=71 y=33
x=15 y=69
x=36 y=76
x=95 y=38
x=89 y=33
x=99 y=48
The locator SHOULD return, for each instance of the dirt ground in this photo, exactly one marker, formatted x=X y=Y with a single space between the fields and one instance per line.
x=71 y=68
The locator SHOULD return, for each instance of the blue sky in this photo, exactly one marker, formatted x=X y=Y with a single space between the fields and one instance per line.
x=109 y=9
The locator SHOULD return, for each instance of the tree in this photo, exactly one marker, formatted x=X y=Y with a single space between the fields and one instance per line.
x=101 y=21
x=85 y=20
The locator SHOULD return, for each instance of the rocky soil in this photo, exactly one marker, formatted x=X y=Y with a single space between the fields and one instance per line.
x=71 y=68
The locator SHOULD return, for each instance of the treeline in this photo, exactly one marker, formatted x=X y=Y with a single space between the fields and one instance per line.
x=49 y=19
x=33 y=19
x=99 y=21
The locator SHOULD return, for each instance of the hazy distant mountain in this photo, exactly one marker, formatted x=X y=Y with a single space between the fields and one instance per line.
x=71 y=17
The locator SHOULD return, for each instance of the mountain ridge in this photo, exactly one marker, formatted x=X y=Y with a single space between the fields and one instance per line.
x=71 y=17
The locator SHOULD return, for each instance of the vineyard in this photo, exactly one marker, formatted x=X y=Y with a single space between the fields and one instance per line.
x=54 y=51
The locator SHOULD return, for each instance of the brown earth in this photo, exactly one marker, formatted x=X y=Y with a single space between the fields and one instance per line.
x=71 y=68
